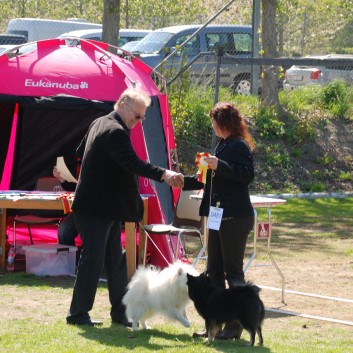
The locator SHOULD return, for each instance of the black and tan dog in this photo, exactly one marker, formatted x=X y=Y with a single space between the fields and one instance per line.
x=218 y=306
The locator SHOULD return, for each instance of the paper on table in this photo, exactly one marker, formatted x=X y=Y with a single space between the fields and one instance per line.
x=64 y=171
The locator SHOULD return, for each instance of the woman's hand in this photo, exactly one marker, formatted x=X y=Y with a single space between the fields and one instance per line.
x=212 y=162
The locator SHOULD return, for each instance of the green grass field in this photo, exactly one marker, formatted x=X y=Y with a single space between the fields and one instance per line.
x=315 y=233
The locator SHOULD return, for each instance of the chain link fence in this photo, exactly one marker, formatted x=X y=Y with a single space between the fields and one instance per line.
x=318 y=27
x=204 y=60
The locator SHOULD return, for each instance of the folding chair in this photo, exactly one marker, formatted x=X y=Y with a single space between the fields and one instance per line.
x=187 y=222
x=43 y=184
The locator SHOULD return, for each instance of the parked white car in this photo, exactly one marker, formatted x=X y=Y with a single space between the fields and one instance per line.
x=37 y=28
x=125 y=35
x=302 y=75
x=5 y=47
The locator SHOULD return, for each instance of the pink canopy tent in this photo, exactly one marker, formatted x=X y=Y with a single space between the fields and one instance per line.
x=48 y=97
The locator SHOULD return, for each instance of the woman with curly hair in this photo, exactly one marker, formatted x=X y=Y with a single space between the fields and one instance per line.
x=230 y=172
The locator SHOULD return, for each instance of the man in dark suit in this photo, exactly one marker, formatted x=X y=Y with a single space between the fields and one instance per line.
x=107 y=194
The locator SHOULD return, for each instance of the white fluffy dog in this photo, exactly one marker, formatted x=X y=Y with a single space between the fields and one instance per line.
x=153 y=291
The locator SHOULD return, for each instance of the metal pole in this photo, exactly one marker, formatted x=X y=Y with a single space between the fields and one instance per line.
x=220 y=53
x=303 y=34
x=255 y=69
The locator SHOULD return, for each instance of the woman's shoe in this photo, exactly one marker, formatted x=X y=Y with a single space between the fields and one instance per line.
x=202 y=333
x=231 y=331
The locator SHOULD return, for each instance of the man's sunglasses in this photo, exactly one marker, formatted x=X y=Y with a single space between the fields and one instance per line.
x=137 y=116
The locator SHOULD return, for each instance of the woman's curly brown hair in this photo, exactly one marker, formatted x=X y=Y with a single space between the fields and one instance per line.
x=229 y=119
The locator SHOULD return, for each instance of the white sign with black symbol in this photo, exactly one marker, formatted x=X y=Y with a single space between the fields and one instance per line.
x=215 y=218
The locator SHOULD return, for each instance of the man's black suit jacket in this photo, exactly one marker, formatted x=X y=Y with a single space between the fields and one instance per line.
x=108 y=183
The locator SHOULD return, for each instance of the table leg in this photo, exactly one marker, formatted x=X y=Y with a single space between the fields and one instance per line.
x=141 y=260
x=130 y=248
x=268 y=237
x=2 y=239
x=203 y=251
x=130 y=242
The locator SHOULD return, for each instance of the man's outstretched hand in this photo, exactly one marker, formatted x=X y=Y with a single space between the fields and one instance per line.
x=173 y=179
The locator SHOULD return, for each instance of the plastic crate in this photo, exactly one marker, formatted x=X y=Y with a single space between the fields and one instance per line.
x=50 y=259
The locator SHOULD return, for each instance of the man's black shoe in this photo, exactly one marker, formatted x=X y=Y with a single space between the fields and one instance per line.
x=123 y=322
x=83 y=322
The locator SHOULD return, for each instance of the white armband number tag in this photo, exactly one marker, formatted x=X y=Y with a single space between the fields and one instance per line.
x=215 y=218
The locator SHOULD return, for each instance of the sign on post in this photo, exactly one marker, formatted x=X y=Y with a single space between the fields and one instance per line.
x=263 y=230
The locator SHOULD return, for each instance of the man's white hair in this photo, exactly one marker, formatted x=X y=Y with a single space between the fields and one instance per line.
x=132 y=95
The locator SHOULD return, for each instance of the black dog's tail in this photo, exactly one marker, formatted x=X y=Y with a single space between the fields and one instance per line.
x=255 y=288
x=249 y=286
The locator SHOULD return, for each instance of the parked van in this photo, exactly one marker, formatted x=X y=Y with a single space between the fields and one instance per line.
x=36 y=29
x=125 y=35
x=236 y=41
x=7 y=39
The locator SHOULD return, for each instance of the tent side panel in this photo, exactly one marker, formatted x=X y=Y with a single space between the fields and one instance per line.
x=46 y=132
x=158 y=153
x=6 y=122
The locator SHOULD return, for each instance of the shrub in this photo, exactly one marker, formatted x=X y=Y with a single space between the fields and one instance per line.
x=268 y=123
x=346 y=176
x=335 y=98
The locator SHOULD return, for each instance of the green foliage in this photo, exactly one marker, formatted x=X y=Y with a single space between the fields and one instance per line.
x=309 y=107
x=301 y=100
x=162 y=13
x=301 y=105
x=310 y=186
x=325 y=160
x=322 y=174
x=346 y=176
x=268 y=122
x=282 y=140
x=276 y=157
x=335 y=98
x=296 y=152
x=189 y=110
x=343 y=39
x=302 y=129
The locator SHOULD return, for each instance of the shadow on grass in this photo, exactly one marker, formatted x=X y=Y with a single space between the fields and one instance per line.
x=23 y=279
x=301 y=240
x=155 y=340
x=275 y=315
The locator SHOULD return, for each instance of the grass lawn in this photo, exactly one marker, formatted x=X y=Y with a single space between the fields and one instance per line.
x=313 y=247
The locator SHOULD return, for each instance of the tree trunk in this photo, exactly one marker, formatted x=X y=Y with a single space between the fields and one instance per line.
x=111 y=21
x=269 y=94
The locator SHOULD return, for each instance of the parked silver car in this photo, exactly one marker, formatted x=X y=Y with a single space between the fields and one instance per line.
x=302 y=75
x=234 y=39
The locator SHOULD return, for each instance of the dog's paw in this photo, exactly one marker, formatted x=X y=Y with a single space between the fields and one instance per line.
x=186 y=323
x=145 y=326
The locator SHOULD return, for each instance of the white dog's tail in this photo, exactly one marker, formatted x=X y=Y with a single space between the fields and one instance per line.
x=138 y=286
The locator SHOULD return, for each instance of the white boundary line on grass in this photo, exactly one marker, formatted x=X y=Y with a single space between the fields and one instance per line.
x=293 y=313
x=308 y=294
